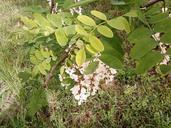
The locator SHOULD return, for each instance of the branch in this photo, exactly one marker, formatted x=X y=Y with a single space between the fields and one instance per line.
x=58 y=63
x=150 y=3
x=52 y=7
x=53 y=69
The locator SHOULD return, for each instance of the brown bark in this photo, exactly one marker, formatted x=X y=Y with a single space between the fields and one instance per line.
x=151 y=2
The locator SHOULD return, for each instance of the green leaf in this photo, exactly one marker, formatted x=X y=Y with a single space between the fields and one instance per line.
x=67 y=3
x=96 y=43
x=28 y=22
x=46 y=65
x=119 y=23
x=142 y=17
x=36 y=101
x=40 y=20
x=86 y=20
x=165 y=69
x=38 y=55
x=118 y=2
x=148 y=61
x=158 y=18
x=36 y=9
x=142 y=47
x=35 y=71
x=111 y=61
x=99 y=15
x=114 y=43
x=132 y=13
x=166 y=38
x=70 y=30
x=91 y=68
x=80 y=57
x=169 y=51
x=45 y=54
x=163 y=26
x=91 y=49
x=34 y=60
x=81 y=3
x=105 y=31
x=112 y=51
x=80 y=30
x=55 y=20
x=61 y=37
x=41 y=69
x=24 y=76
x=139 y=34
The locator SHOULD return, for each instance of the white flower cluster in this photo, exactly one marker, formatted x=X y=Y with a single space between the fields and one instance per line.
x=163 y=49
x=87 y=85
x=76 y=10
x=55 y=8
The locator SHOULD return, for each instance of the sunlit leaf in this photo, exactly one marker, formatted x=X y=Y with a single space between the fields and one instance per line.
x=99 y=15
x=40 y=20
x=55 y=20
x=120 y=23
x=96 y=43
x=91 y=49
x=80 y=30
x=132 y=13
x=80 y=57
x=105 y=31
x=86 y=20
x=61 y=37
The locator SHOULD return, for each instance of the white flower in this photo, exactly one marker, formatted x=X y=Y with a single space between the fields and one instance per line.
x=82 y=96
x=74 y=77
x=113 y=71
x=156 y=36
x=70 y=70
x=75 y=89
x=88 y=85
x=60 y=77
x=65 y=85
x=164 y=9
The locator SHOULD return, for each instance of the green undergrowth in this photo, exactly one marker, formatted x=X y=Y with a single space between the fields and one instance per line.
x=144 y=105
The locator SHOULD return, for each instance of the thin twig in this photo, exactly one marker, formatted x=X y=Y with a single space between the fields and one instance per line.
x=53 y=69
x=52 y=8
x=150 y=3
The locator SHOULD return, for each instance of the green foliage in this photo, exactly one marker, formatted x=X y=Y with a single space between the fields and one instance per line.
x=111 y=61
x=91 y=68
x=37 y=101
x=165 y=69
x=86 y=20
x=80 y=57
x=61 y=37
x=148 y=61
x=120 y=23
x=96 y=43
x=85 y=30
x=99 y=15
x=105 y=31
x=41 y=59
x=142 y=48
